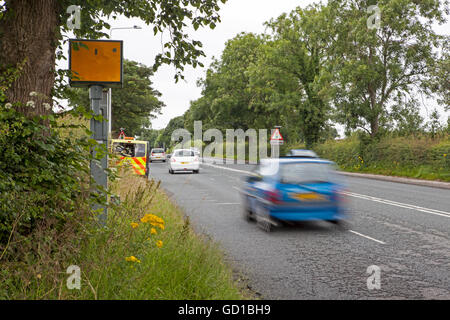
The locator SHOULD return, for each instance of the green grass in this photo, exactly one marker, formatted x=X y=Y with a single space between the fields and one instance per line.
x=187 y=266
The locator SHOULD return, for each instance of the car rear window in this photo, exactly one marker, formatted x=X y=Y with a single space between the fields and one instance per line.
x=184 y=153
x=158 y=151
x=296 y=173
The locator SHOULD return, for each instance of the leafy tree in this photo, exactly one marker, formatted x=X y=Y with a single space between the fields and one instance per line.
x=151 y=135
x=226 y=100
x=165 y=138
x=375 y=68
x=407 y=118
x=134 y=105
x=32 y=34
x=434 y=124
x=291 y=75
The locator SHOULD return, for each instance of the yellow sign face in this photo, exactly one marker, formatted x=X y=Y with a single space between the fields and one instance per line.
x=96 y=62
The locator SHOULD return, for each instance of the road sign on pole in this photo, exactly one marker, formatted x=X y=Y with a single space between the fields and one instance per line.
x=276 y=138
x=97 y=64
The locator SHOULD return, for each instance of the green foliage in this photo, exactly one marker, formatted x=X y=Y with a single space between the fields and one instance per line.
x=374 y=68
x=418 y=157
x=187 y=266
x=173 y=17
x=42 y=174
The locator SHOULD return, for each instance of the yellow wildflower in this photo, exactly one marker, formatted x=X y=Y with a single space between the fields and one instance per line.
x=159 y=243
x=132 y=259
x=152 y=219
x=445 y=155
x=153 y=231
x=134 y=225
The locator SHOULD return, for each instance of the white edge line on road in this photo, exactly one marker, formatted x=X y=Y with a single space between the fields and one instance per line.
x=367 y=237
x=227 y=203
x=229 y=169
x=399 y=204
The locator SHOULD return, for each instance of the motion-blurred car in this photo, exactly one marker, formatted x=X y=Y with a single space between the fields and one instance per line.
x=301 y=153
x=157 y=154
x=294 y=189
x=184 y=160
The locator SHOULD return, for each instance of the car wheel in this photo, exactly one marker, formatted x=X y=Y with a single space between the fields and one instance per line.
x=196 y=171
x=263 y=219
x=247 y=213
x=170 y=171
x=341 y=224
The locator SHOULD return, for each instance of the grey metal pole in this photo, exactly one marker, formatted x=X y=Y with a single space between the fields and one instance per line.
x=99 y=105
x=109 y=112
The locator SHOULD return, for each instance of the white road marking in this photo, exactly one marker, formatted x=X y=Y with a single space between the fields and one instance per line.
x=399 y=204
x=230 y=169
x=228 y=203
x=367 y=237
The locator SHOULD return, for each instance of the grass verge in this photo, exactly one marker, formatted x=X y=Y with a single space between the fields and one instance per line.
x=167 y=260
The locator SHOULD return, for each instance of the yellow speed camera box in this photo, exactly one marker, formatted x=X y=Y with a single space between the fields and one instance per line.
x=96 y=62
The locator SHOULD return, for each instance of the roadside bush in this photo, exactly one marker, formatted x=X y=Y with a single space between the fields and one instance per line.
x=41 y=173
x=413 y=156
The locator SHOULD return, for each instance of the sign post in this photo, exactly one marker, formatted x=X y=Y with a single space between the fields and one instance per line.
x=97 y=64
x=276 y=140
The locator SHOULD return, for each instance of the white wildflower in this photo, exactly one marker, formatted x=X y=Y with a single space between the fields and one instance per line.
x=8 y=105
x=31 y=104
x=46 y=106
x=33 y=94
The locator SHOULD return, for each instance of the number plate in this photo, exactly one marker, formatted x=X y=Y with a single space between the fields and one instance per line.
x=308 y=196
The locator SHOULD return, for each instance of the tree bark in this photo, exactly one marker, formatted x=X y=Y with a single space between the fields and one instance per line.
x=28 y=36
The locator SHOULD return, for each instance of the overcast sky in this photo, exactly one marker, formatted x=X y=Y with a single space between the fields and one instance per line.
x=236 y=15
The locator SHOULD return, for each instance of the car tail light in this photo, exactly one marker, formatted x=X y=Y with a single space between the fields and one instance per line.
x=153 y=154
x=173 y=160
x=196 y=159
x=272 y=196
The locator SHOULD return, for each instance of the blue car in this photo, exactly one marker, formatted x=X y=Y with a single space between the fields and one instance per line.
x=294 y=189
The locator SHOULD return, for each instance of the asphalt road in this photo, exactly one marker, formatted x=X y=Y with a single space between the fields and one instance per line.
x=403 y=229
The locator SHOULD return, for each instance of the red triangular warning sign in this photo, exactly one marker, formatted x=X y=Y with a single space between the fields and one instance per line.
x=276 y=135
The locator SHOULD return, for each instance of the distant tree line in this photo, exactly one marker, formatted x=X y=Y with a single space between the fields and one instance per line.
x=322 y=65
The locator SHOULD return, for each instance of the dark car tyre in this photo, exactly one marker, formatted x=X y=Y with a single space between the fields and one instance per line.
x=263 y=219
x=196 y=171
x=341 y=224
x=246 y=212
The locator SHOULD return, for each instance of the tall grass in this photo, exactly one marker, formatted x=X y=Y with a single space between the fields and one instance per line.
x=187 y=266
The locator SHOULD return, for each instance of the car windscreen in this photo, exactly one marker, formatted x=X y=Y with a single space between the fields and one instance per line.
x=129 y=149
x=306 y=172
x=184 y=153
x=157 y=151
x=139 y=150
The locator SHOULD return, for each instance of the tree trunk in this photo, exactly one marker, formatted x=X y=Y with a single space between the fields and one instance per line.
x=28 y=36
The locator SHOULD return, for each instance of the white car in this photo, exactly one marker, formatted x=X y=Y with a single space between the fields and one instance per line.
x=184 y=160
x=157 y=154
x=196 y=151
